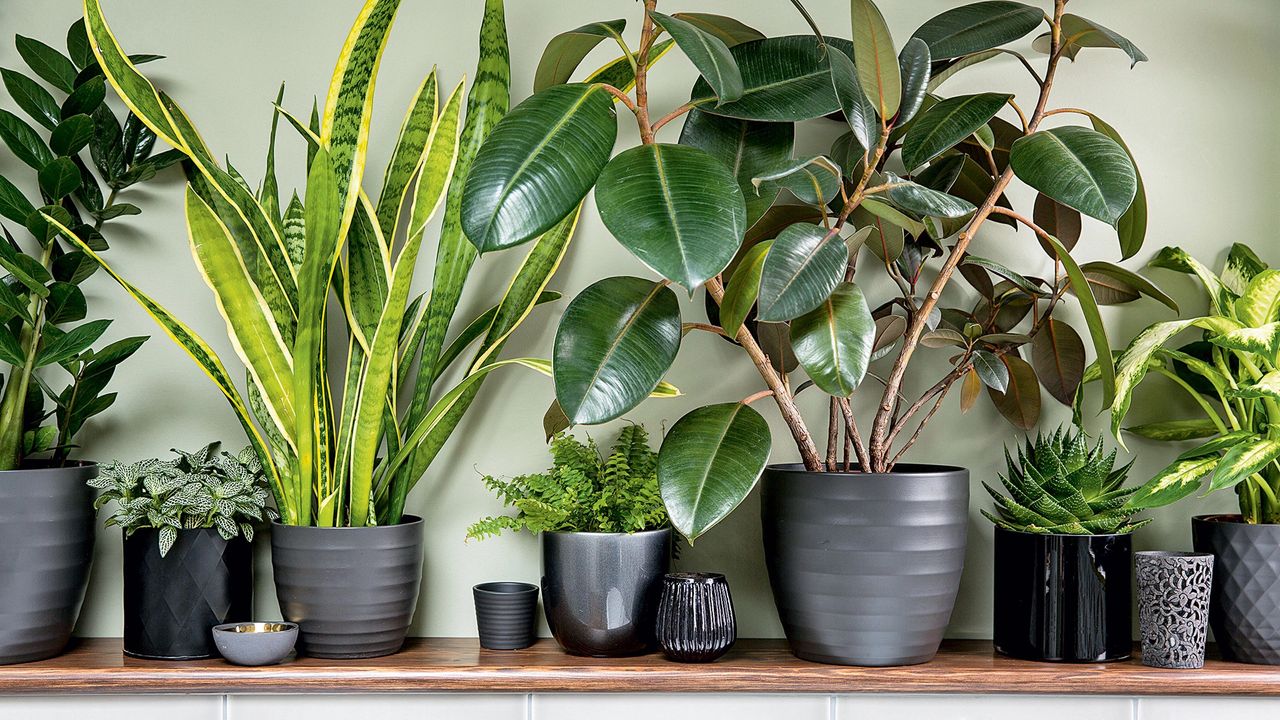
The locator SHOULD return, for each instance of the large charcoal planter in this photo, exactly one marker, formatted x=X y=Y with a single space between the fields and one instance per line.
x=600 y=591
x=352 y=591
x=1063 y=598
x=865 y=566
x=171 y=603
x=46 y=548
x=1244 y=607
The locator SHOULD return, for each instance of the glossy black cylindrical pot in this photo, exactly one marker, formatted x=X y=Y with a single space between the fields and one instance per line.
x=600 y=591
x=351 y=590
x=696 y=623
x=1244 y=608
x=1063 y=598
x=171 y=603
x=865 y=567
x=506 y=614
x=46 y=549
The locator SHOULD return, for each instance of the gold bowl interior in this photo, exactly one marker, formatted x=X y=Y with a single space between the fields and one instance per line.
x=260 y=627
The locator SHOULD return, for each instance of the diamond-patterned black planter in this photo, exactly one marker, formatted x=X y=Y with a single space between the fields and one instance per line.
x=171 y=603
x=1244 y=608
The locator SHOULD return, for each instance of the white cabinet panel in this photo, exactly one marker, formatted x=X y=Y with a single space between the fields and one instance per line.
x=980 y=707
x=400 y=706
x=680 y=707
x=1198 y=708
x=115 y=707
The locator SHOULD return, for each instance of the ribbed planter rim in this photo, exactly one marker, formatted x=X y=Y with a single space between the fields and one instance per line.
x=505 y=588
x=899 y=469
x=607 y=534
x=405 y=521
x=693 y=578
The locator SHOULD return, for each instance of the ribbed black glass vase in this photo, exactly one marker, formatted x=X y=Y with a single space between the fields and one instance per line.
x=695 y=617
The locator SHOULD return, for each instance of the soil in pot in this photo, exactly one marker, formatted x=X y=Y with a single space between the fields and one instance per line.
x=1244 y=607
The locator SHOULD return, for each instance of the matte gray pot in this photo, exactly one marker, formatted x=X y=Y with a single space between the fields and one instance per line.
x=601 y=591
x=865 y=566
x=46 y=548
x=352 y=591
x=1244 y=606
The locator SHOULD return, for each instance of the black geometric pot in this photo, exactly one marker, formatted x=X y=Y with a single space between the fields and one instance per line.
x=1244 y=609
x=696 y=623
x=865 y=566
x=351 y=590
x=1063 y=598
x=600 y=591
x=46 y=549
x=171 y=603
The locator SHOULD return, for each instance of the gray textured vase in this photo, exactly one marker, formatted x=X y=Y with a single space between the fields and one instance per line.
x=46 y=548
x=600 y=591
x=865 y=566
x=1173 y=607
x=352 y=591
x=1244 y=610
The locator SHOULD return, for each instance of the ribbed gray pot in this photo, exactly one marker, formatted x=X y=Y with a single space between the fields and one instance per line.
x=1244 y=608
x=352 y=591
x=46 y=548
x=600 y=591
x=865 y=566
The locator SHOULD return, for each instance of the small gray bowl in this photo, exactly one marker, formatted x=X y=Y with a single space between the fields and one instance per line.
x=255 y=643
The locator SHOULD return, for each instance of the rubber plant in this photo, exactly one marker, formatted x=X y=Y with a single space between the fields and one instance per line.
x=1229 y=368
x=343 y=446
x=903 y=193
x=76 y=147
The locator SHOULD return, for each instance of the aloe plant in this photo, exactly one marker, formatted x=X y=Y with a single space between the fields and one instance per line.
x=781 y=241
x=1226 y=362
x=344 y=446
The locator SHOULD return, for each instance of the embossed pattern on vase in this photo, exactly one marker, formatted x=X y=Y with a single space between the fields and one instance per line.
x=1244 y=608
x=1173 y=607
x=695 y=617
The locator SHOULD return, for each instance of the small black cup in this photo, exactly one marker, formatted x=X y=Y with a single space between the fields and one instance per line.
x=506 y=614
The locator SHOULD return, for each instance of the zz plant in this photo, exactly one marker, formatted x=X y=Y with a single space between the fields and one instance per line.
x=343 y=446
x=903 y=194
x=76 y=150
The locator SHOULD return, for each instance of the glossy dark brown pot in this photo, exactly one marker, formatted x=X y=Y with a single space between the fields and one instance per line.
x=1063 y=598
x=1244 y=607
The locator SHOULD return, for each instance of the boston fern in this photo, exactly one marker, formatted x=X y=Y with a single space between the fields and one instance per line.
x=583 y=492
x=201 y=489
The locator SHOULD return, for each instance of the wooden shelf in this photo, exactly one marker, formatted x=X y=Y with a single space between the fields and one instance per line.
x=459 y=665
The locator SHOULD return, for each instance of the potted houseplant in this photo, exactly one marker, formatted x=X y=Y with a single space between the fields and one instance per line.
x=55 y=380
x=1226 y=362
x=1063 y=552
x=343 y=446
x=606 y=541
x=784 y=278
x=188 y=528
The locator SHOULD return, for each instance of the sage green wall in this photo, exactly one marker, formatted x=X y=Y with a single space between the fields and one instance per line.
x=1199 y=117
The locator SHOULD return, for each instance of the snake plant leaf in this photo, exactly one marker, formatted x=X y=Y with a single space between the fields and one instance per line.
x=1260 y=302
x=875 y=58
x=473 y=331
x=71 y=135
x=135 y=90
x=23 y=141
x=915 y=63
x=1175 y=430
x=858 y=110
x=1180 y=479
x=921 y=201
x=1244 y=460
x=784 y=79
x=803 y=267
x=730 y=31
x=978 y=27
x=653 y=199
x=1057 y=354
x=1134 y=362
x=1019 y=403
x=1079 y=33
x=366 y=275
x=31 y=98
x=746 y=147
x=616 y=340
x=1113 y=284
x=59 y=178
x=408 y=153
x=49 y=64
x=1078 y=167
x=1132 y=226
x=945 y=124
x=814 y=180
x=566 y=51
x=708 y=464
x=743 y=288
x=1241 y=267
x=833 y=342
x=539 y=163
x=708 y=53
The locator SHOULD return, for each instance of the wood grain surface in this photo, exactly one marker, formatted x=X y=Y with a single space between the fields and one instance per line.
x=97 y=666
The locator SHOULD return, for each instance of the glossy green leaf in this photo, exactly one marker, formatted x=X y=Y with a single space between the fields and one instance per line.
x=566 y=51
x=743 y=289
x=784 y=79
x=538 y=164
x=1132 y=225
x=977 y=27
x=915 y=62
x=1242 y=461
x=1078 y=167
x=23 y=141
x=1178 y=480
x=1079 y=33
x=814 y=180
x=1093 y=319
x=991 y=371
x=804 y=266
x=944 y=125
x=1113 y=284
x=875 y=58
x=708 y=53
x=52 y=66
x=71 y=135
x=653 y=198
x=730 y=31
x=952 y=68
x=858 y=109
x=60 y=178
x=708 y=464
x=1058 y=220
x=66 y=304
x=78 y=44
x=746 y=147
x=616 y=340
x=1057 y=354
x=922 y=201
x=33 y=99
x=1019 y=281
x=1019 y=403
x=1175 y=430
x=833 y=342
x=619 y=72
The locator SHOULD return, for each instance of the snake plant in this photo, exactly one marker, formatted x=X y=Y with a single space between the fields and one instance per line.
x=1063 y=485
x=343 y=446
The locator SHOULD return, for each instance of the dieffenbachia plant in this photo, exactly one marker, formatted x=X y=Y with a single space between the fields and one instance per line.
x=914 y=179
x=347 y=449
x=1230 y=369
x=76 y=147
